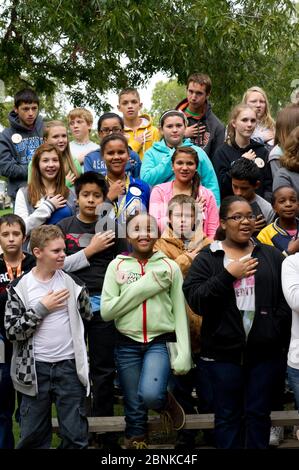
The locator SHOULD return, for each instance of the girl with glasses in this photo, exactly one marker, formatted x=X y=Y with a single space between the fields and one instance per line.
x=111 y=123
x=235 y=284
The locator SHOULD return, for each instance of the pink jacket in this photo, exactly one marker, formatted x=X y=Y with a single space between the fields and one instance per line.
x=161 y=195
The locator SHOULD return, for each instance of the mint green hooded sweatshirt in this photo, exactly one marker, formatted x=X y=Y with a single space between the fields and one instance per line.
x=145 y=299
x=156 y=167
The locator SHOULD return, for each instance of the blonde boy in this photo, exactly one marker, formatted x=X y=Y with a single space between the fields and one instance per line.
x=80 y=122
x=43 y=319
x=139 y=129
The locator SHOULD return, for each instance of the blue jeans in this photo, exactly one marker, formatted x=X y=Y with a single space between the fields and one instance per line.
x=144 y=372
x=57 y=382
x=242 y=402
x=7 y=406
x=293 y=377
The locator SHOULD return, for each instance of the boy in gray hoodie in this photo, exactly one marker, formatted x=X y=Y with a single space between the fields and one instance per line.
x=19 y=141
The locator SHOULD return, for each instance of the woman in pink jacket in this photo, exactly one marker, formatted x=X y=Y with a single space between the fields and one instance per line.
x=187 y=181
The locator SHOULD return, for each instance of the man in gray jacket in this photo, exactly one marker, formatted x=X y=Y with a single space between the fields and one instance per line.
x=19 y=141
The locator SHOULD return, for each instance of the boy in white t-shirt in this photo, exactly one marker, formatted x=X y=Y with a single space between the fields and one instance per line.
x=80 y=121
x=43 y=318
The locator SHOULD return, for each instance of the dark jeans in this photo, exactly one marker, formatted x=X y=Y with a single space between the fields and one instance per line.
x=243 y=397
x=182 y=387
x=57 y=382
x=279 y=387
x=7 y=406
x=101 y=342
x=293 y=376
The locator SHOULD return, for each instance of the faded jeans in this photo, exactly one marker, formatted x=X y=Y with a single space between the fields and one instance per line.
x=57 y=382
x=144 y=371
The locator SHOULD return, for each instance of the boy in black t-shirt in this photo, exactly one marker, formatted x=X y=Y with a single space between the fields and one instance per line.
x=13 y=263
x=91 y=191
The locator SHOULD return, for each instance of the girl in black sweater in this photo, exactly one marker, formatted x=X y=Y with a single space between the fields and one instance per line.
x=236 y=286
x=239 y=144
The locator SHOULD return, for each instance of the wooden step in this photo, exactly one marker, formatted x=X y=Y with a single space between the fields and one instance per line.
x=196 y=421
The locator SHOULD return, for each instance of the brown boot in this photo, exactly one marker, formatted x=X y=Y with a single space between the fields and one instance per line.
x=173 y=414
x=136 y=442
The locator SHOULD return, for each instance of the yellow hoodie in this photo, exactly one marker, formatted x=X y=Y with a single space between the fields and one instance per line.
x=143 y=138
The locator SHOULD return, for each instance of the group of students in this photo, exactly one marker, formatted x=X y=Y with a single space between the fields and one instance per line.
x=123 y=246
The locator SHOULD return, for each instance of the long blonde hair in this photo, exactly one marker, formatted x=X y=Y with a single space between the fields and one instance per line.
x=36 y=187
x=231 y=131
x=68 y=161
x=267 y=119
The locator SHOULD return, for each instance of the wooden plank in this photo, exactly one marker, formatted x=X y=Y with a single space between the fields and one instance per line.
x=196 y=421
x=285 y=418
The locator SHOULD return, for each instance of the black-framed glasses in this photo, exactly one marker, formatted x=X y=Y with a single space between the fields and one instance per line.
x=241 y=218
x=110 y=130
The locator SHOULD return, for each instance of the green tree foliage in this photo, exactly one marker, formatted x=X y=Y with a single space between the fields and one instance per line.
x=92 y=46
x=166 y=95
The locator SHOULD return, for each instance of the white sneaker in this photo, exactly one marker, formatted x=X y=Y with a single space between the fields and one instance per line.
x=276 y=435
x=296 y=431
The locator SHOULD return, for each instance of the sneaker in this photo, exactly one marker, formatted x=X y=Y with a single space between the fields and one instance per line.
x=276 y=435
x=173 y=414
x=296 y=431
x=135 y=442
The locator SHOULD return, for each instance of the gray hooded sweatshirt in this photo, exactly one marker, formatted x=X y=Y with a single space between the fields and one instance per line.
x=17 y=146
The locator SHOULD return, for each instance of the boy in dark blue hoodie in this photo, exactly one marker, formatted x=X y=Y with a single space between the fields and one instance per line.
x=19 y=141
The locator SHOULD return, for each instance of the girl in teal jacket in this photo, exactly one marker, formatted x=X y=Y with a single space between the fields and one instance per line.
x=142 y=292
x=156 y=165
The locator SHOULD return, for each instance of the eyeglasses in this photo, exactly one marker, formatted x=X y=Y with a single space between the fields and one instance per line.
x=241 y=218
x=108 y=130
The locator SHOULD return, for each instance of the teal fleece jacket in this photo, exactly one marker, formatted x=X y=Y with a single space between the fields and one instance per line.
x=145 y=299
x=156 y=167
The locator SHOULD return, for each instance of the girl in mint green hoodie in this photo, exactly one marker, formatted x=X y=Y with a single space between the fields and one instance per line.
x=156 y=167
x=142 y=292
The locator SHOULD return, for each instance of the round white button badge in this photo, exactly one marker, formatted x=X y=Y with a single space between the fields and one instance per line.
x=259 y=162
x=135 y=191
x=16 y=138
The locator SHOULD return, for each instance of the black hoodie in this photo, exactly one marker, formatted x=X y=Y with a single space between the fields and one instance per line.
x=225 y=157
x=17 y=146
x=209 y=291
x=213 y=134
x=27 y=264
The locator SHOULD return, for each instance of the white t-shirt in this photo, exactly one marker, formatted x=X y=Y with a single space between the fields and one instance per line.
x=245 y=297
x=53 y=339
x=78 y=150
